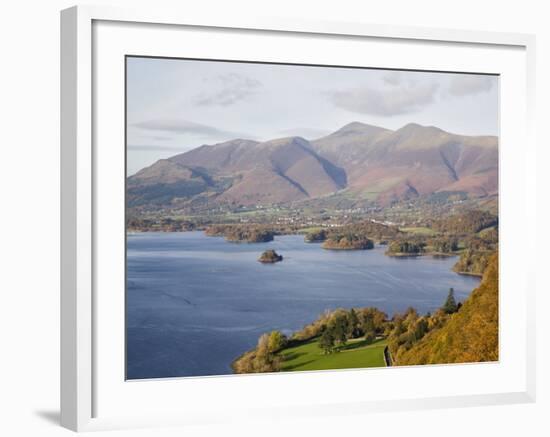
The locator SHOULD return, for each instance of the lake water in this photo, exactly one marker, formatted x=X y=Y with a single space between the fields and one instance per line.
x=195 y=303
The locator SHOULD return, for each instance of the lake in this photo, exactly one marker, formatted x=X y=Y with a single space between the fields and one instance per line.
x=195 y=303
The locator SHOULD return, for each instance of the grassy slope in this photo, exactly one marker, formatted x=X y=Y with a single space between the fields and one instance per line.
x=308 y=356
x=471 y=335
x=420 y=230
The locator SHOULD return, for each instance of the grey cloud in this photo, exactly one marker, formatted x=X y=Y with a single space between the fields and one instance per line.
x=232 y=88
x=179 y=126
x=159 y=137
x=391 y=101
x=464 y=85
x=393 y=78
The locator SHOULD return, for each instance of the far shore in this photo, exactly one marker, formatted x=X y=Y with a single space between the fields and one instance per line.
x=414 y=255
x=341 y=249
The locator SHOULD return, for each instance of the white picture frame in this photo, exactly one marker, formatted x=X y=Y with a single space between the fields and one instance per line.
x=85 y=376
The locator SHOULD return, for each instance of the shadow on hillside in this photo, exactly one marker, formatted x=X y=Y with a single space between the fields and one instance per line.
x=297 y=366
x=293 y=355
x=359 y=344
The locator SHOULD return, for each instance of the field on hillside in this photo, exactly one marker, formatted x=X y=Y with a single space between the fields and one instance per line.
x=356 y=354
x=420 y=230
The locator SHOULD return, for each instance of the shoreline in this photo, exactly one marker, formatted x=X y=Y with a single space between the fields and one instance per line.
x=476 y=275
x=415 y=255
x=346 y=248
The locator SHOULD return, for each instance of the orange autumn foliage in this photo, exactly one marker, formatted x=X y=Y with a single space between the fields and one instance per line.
x=470 y=335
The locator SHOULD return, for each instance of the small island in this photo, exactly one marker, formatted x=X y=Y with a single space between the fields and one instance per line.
x=270 y=257
x=316 y=236
x=241 y=233
x=348 y=242
x=406 y=248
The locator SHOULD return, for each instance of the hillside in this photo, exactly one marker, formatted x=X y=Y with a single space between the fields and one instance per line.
x=411 y=161
x=359 y=161
x=470 y=335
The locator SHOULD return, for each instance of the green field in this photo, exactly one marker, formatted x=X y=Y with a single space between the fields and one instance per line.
x=420 y=230
x=356 y=354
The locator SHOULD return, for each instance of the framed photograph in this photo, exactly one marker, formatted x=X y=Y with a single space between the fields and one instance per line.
x=268 y=219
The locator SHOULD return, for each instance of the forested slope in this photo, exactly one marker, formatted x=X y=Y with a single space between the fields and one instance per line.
x=470 y=335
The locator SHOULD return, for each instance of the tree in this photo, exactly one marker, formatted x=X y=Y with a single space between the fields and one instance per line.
x=276 y=341
x=353 y=324
x=264 y=360
x=368 y=324
x=369 y=328
x=450 y=305
x=327 y=341
x=339 y=328
x=369 y=337
x=420 y=329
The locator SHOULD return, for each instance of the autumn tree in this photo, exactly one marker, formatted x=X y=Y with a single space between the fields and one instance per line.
x=326 y=341
x=368 y=324
x=339 y=331
x=420 y=328
x=276 y=341
x=450 y=305
x=369 y=337
x=265 y=360
x=353 y=324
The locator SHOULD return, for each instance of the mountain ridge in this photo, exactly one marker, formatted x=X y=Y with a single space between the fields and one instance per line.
x=366 y=161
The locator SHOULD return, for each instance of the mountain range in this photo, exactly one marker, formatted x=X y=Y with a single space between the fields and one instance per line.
x=359 y=160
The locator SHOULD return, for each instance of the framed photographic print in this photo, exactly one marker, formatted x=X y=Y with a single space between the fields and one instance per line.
x=275 y=218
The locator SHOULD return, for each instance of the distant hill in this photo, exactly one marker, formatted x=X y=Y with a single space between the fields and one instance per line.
x=471 y=334
x=361 y=160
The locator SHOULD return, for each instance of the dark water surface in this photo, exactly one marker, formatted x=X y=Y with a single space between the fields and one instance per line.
x=194 y=303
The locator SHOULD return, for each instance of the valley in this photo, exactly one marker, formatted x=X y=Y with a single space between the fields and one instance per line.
x=414 y=193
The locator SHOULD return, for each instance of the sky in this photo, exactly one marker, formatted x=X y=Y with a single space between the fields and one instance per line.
x=175 y=105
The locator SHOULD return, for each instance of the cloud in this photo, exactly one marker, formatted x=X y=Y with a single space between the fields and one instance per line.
x=159 y=137
x=386 y=101
x=185 y=127
x=393 y=78
x=232 y=88
x=470 y=84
